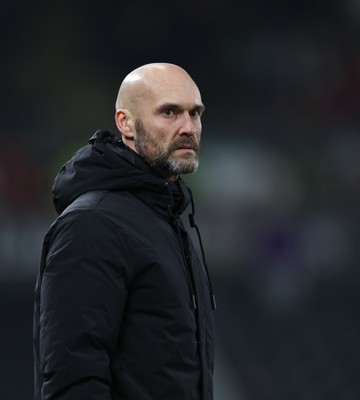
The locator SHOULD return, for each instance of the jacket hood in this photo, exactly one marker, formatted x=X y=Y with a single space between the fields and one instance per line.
x=106 y=163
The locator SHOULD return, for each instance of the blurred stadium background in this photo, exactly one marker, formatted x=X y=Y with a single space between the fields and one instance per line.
x=277 y=192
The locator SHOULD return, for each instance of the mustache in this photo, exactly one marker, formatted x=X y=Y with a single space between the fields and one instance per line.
x=187 y=141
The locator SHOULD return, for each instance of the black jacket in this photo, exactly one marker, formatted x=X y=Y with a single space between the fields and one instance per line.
x=123 y=306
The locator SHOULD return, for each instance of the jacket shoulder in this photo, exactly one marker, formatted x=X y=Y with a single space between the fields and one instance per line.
x=82 y=212
x=87 y=201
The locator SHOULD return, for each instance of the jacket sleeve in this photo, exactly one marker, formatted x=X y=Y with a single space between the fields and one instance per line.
x=83 y=293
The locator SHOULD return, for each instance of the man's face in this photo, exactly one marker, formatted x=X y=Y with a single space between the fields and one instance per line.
x=168 y=128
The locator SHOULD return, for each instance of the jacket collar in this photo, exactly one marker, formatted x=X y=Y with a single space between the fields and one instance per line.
x=106 y=163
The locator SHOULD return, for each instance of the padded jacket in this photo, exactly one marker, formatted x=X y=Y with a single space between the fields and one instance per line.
x=123 y=305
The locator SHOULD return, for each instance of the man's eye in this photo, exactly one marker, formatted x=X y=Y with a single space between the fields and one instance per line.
x=194 y=113
x=168 y=111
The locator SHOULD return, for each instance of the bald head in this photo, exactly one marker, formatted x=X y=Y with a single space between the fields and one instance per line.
x=146 y=80
x=158 y=113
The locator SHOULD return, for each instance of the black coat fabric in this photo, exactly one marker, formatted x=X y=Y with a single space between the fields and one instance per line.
x=114 y=312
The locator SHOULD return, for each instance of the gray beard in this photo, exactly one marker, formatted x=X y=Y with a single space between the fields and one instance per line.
x=165 y=161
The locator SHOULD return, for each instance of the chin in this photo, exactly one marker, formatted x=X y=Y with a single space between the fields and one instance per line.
x=182 y=165
x=187 y=168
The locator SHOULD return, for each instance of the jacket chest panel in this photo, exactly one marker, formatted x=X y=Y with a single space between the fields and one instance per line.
x=161 y=278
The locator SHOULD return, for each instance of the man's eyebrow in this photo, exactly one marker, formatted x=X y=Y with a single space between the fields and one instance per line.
x=199 y=107
x=175 y=106
x=168 y=105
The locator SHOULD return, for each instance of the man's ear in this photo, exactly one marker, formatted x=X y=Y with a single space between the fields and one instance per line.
x=124 y=122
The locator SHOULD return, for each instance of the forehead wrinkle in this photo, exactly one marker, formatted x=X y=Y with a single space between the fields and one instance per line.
x=178 y=93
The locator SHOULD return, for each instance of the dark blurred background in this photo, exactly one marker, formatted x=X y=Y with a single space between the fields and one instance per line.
x=277 y=191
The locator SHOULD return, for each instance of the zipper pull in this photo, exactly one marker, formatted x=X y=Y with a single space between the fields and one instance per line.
x=194 y=301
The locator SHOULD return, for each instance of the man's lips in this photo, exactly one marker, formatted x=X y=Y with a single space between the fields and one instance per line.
x=185 y=147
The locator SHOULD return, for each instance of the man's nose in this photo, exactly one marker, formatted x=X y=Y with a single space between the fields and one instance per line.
x=188 y=127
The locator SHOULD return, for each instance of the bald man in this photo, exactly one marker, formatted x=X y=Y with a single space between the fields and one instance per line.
x=164 y=99
x=123 y=304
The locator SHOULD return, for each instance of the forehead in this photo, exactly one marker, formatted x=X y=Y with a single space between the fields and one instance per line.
x=176 y=88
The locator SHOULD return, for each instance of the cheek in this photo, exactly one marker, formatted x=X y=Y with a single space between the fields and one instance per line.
x=198 y=135
x=199 y=128
x=164 y=137
x=159 y=142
